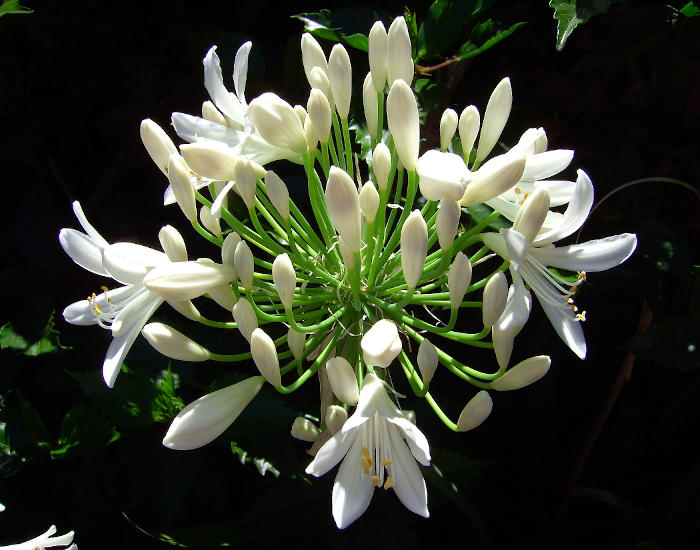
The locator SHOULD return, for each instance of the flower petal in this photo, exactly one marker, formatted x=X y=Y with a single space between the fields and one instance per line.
x=409 y=484
x=596 y=255
x=415 y=439
x=129 y=262
x=82 y=250
x=226 y=102
x=82 y=312
x=568 y=329
x=187 y=280
x=517 y=246
x=332 y=452
x=549 y=163
x=85 y=224
x=575 y=214
x=352 y=491
x=240 y=70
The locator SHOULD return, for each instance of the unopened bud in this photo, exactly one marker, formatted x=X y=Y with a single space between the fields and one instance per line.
x=347 y=254
x=335 y=418
x=319 y=81
x=448 y=127
x=532 y=214
x=495 y=118
x=344 y=207
x=414 y=248
x=243 y=262
x=277 y=122
x=304 y=429
x=475 y=412
x=502 y=345
x=173 y=244
x=458 y=278
x=319 y=112
x=228 y=249
x=377 y=52
x=402 y=117
x=381 y=344
x=157 y=143
x=301 y=113
x=495 y=296
x=369 y=201
x=173 y=344
x=398 y=58
x=245 y=318
x=469 y=122
x=210 y=159
x=312 y=55
x=523 y=374
x=181 y=185
x=447 y=222
x=427 y=360
x=493 y=178
x=442 y=175
x=369 y=102
x=278 y=193
x=381 y=165
x=186 y=280
x=209 y=221
x=245 y=181
x=342 y=379
x=212 y=114
x=285 y=279
x=340 y=76
x=265 y=356
x=296 y=341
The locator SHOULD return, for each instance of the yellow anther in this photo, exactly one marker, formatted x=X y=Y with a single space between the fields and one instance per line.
x=581 y=316
x=94 y=296
x=376 y=481
x=572 y=290
x=389 y=483
x=104 y=288
x=97 y=309
x=366 y=464
x=581 y=275
x=192 y=172
x=365 y=451
x=386 y=462
x=569 y=301
x=518 y=190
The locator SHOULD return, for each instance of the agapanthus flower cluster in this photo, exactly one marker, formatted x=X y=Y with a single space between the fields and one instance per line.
x=364 y=286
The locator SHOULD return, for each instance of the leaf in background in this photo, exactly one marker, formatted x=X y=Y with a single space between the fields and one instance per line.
x=478 y=212
x=444 y=22
x=569 y=14
x=47 y=341
x=673 y=343
x=260 y=463
x=33 y=422
x=82 y=431
x=134 y=402
x=325 y=24
x=690 y=10
x=13 y=7
x=475 y=46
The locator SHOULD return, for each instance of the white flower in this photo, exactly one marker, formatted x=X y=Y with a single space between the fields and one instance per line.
x=531 y=254
x=126 y=309
x=44 y=541
x=379 y=448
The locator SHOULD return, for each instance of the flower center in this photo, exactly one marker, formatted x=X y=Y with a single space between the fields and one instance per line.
x=375 y=436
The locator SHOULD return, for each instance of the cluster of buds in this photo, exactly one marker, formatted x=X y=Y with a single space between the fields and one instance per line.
x=374 y=282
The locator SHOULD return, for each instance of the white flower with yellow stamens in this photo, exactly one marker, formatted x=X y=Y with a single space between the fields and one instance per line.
x=379 y=448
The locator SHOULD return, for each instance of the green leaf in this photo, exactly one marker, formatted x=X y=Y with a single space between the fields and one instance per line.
x=478 y=212
x=326 y=25
x=82 y=431
x=472 y=48
x=13 y=7
x=33 y=423
x=690 y=10
x=444 y=22
x=261 y=464
x=47 y=341
x=569 y=14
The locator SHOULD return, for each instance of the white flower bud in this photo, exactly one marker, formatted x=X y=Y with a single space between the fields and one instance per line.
x=381 y=165
x=228 y=249
x=495 y=118
x=187 y=280
x=319 y=80
x=346 y=254
x=344 y=207
x=212 y=114
x=285 y=279
x=469 y=122
x=495 y=296
x=207 y=418
x=304 y=429
x=458 y=278
x=340 y=76
x=157 y=143
x=414 y=248
x=442 y=175
x=296 y=341
x=173 y=244
x=369 y=201
x=493 y=178
x=265 y=356
x=371 y=107
x=211 y=223
x=310 y=134
x=532 y=213
x=301 y=113
x=402 y=117
x=245 y=318
x=335 y=418
x=186 y=309
x=427 y=360
x=502 y=345
x=320 y=116
x=398 y=57
x=223 y=295
x=447 y=222
x=210 y=159
x=277 y=122
x=377 y=50
x=381 y=344
x=523 y=374
x=243 y=262
x=448 y=127
x=475 y=412
x=312 y=55
x=342 y=379
x=173 y=344
x=277 y=193
x=181 y=185
x=245 y=181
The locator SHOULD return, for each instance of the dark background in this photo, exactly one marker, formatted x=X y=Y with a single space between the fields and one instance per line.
x=77 y=77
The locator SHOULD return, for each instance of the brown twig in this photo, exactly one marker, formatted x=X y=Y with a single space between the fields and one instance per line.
x=623 y=376
x=427 y=70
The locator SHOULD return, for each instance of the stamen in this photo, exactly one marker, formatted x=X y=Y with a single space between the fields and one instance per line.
x=389 y=483
x=386 y=462
x=582 y=276
x=104 y=288
x=376 y=481
x=581 y=316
